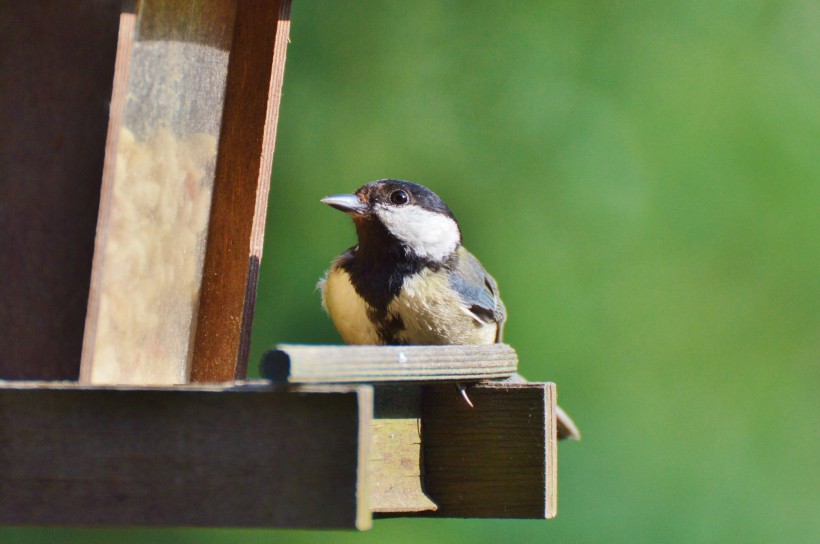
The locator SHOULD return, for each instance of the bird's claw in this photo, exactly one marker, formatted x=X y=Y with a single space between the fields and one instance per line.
x=463 y=390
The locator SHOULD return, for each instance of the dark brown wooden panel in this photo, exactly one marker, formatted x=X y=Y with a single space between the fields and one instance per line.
x=496 y=460
x=57 y=66
x=247 y=456
x=241 y=186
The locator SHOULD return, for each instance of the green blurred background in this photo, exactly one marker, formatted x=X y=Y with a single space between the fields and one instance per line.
x=643 y=180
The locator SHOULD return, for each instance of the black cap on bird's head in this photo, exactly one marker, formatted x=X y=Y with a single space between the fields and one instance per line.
x=411 y=215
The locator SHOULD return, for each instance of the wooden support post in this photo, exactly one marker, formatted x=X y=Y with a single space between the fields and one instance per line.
x=241 y=456
x=238 y=211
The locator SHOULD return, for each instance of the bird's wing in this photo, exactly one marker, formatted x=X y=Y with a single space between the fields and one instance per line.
x=478 y=291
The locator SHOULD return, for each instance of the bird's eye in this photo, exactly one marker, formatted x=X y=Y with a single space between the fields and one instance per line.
x=399 y=197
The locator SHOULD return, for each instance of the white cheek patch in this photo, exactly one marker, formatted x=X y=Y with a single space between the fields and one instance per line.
x=428 y=234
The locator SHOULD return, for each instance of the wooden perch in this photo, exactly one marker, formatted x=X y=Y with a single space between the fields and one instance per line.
x=370 y=364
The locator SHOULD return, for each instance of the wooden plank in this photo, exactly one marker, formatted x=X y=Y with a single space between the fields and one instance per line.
x=244 y=456
x=373 y=364
x=116 y=111
x=396 y=460
x=57 y=65
x=239 y=206
x=496 y=460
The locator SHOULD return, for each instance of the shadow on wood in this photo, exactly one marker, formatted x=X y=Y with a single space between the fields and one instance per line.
x=57 y=64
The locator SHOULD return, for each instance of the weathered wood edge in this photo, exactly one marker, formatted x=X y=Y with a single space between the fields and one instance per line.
x=551 y=450
x=116 y=116
x=241 y=186
x=292 y=363
x=364 y=474
x=250 y=385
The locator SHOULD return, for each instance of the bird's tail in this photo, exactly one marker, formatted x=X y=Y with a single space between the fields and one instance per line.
x=566 y=427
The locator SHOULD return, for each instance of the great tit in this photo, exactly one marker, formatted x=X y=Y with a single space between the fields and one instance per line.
x=409 y=280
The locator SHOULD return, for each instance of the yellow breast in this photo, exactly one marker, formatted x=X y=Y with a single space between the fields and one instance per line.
x=347 y=309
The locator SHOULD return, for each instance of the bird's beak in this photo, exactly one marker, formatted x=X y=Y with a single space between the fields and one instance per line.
x=347 y=204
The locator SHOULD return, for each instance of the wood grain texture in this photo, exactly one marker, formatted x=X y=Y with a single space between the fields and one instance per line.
x=185 y=21
x=57 y=65
x=496 y=460
x=162 y=143
x=244 y=456
x=241 y=187
x=396 y=460
x=372 y=364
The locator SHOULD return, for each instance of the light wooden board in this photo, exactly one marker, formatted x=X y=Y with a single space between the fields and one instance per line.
x=496 y=460
x=396 y=451
x=373 y=364
x=245 y=456
x=116 y=110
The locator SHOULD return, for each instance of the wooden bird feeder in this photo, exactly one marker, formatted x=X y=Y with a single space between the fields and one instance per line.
x=135 y=154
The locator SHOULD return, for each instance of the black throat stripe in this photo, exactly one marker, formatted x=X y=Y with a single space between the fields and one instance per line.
x=378 y=267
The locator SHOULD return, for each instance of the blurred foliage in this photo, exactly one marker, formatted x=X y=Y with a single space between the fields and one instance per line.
x=642 y=178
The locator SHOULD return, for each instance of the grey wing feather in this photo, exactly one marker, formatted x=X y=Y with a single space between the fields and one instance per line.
x=479 y=291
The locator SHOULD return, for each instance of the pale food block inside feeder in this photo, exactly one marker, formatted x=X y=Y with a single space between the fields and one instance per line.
x=153 y=257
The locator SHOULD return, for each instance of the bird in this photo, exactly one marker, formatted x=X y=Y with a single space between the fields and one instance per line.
x=409 y=279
